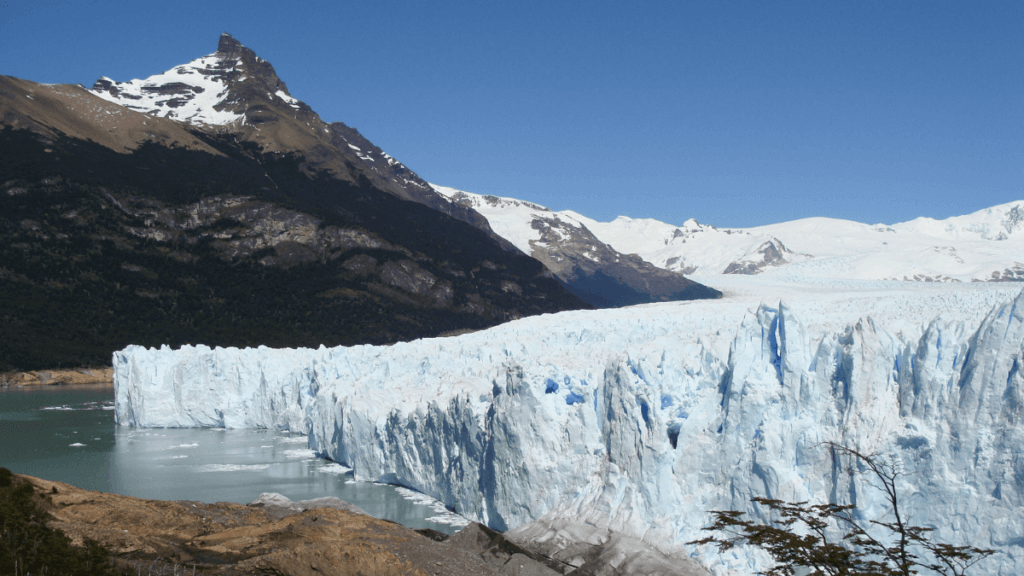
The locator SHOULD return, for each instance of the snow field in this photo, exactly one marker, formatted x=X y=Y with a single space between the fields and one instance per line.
x=961 y=248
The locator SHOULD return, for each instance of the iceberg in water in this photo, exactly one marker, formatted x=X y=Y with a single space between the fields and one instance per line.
x=641 y=420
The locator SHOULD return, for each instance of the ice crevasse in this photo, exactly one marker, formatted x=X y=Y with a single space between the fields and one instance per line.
x=641 y=420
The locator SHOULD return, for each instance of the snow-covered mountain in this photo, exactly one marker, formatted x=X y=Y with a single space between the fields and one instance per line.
x=206 y=204
x=639 y=421
x=234 y=91
x=590 y=268
x=984 y=246
x=987 y=245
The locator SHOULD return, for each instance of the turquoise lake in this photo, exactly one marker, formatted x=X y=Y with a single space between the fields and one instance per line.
x=68 y=434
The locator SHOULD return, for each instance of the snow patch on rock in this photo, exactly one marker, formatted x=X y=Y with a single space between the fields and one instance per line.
x=191 y=93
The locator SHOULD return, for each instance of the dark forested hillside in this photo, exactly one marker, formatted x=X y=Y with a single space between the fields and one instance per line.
x=168 y=245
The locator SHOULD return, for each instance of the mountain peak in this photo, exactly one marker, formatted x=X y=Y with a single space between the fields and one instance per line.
x=234 y=54
x=234 y=90
x=215 y=90
x=229 y=45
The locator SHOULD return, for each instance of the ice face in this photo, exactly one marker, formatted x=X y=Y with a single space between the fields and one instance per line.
x=640 y=420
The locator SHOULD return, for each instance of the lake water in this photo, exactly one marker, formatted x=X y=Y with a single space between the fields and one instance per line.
x=68 y=434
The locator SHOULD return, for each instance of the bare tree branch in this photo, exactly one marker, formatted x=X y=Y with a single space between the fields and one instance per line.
x=798 y=538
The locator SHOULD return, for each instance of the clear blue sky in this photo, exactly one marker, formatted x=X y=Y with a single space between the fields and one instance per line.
x=734 y=113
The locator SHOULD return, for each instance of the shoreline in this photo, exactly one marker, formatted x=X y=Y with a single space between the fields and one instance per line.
x=319 y=537
x=100 y=377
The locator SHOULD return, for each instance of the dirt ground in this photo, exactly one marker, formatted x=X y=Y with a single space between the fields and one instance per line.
x=155 y=537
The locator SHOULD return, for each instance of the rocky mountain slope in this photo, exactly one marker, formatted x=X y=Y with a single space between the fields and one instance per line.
x=245 y=221
x=587 y=266
x=235 y=91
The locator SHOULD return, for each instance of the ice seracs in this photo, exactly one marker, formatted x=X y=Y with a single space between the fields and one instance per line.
x=638 y=421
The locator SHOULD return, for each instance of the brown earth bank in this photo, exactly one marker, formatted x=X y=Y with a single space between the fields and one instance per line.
x=76 y=377
x=273 y=536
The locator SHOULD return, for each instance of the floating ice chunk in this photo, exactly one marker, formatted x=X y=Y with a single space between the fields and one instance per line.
x=334 y=468
x=445 y=516
x=294 y=440
x=232 y=467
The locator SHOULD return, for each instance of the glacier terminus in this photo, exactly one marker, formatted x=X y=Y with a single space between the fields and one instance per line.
x=638 y=421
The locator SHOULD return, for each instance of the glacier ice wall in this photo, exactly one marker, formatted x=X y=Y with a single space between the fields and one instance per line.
x=641 y=420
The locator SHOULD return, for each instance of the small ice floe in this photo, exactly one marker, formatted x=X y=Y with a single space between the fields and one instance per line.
x=335 y=468
x=76 y=445
x=300 y=453
x=294 y=440
x=232 y=467
x=106 y=405
x=192 y=445
x=445 y=516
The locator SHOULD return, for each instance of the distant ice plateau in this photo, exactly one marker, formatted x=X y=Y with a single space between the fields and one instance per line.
x=987 y=245
x=640 y=420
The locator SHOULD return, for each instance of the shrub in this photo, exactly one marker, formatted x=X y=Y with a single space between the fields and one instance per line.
x=28 y=546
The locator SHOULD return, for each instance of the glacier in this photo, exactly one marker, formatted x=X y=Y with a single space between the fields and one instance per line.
x=640 y=420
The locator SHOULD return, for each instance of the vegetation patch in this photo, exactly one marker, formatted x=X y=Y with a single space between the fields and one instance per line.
x=28 y=546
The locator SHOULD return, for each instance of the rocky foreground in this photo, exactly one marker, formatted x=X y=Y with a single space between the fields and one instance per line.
x=275 y=536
